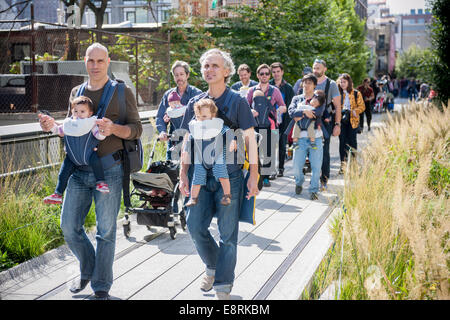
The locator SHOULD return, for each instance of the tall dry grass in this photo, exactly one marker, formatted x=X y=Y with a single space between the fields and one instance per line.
x=396 y=226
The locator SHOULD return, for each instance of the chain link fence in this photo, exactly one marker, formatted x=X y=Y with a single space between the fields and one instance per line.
x=42 y=62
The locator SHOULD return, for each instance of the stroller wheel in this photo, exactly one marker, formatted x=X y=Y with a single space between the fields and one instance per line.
x=173 y=233
x=126 y=230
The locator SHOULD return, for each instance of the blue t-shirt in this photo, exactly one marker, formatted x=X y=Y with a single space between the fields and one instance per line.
x=161 y=126
x=239 y=113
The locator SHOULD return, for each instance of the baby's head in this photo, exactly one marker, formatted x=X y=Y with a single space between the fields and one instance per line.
x=258 y=93
x=174 y=100
x=205 y=109
x=82 y=107
x=318 y=99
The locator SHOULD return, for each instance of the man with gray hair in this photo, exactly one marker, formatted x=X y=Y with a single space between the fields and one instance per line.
x=96 y=264
x=183 y=92
x=220 y=259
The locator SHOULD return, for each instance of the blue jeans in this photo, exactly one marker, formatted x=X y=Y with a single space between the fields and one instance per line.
x=68 y=167
x=220 y=259
x=95 y=264
x=315 y=159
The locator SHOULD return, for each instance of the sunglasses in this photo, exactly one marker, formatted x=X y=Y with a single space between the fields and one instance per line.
x=264 y=73
x=320 y=61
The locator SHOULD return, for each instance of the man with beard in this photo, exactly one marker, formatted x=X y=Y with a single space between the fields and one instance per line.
x=180 y=73
x=245 y=82
x=332 y=116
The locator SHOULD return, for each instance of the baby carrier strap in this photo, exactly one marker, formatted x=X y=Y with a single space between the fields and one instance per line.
x=229 y=100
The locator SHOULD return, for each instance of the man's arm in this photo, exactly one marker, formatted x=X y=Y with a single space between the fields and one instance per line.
x=338 y=115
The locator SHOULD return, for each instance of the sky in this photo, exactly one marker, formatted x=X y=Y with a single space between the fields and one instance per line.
x=405 y=6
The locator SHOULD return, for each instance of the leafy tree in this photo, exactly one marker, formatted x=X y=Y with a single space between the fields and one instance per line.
x=190 y=37
x=440 y=40
x=417 y=63
x=295 y=32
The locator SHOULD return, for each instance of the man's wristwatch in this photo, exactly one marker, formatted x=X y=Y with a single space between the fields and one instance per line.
x=337 y=124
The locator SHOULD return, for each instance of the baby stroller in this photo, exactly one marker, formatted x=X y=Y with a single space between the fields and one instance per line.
x=162 y=202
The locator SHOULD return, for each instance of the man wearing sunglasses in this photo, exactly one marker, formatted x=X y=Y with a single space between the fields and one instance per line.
x=275 y=98
x=332 y=116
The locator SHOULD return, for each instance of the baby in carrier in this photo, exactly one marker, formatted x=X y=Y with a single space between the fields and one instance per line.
x=306 y=123
x=203 y=132
x=82 y=111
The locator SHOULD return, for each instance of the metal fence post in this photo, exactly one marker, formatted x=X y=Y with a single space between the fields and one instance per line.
x=137 y=71
x=34 y=92
x=168 y=58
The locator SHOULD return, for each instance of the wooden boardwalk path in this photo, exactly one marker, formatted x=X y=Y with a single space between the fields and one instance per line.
x=276 y=257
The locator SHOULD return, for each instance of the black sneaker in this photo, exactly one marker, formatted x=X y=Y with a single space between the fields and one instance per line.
x=314 y=196
x=298 y=189
x=280 y=172
x=78 y=285
x=101 y=295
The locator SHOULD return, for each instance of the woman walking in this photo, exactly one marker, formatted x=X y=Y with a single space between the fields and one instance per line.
x=352 y=106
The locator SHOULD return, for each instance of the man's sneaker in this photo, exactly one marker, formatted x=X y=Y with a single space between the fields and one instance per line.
x=280 y=172
x=53 y=199
x=266 y=182
x=314 y=196
x=102 y=187
x=78 y=285
x=222 y=295
x=101 y=295
x=207 y=283
x=298 y=189
x=273 y=176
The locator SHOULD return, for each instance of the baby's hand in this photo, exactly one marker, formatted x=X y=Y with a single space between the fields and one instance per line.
x=166 y=118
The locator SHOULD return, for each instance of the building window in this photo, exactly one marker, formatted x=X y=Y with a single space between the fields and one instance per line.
x=141 y=15
x=20 y=51
x=130 y=16
x=381 y=41
x=165 y=15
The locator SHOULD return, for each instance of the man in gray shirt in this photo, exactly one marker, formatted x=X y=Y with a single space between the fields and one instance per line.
x=332 y=118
